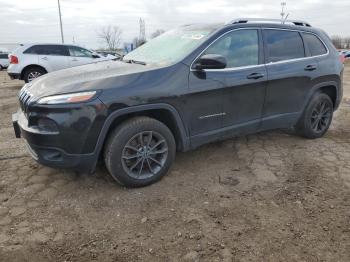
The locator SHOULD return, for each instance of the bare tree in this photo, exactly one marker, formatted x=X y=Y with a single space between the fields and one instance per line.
x=347 y=42
x=337 y=41
x=156 y=33
x=111 y=36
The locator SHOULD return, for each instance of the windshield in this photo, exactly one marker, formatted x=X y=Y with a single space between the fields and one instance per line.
x=169 y=47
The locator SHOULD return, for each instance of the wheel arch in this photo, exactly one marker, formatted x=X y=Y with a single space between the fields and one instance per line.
x=164 y=113
x=31 y=66
x=330 y=88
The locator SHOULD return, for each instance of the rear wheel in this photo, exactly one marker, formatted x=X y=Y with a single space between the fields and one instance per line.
x=32 y=73
x=1 y=68
x=317 y=117
x=139 y=152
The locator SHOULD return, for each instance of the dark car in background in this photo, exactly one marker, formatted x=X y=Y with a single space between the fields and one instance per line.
x=4 y=61
x=188 y=87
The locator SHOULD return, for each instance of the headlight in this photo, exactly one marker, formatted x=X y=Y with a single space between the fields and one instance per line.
x=67 y=98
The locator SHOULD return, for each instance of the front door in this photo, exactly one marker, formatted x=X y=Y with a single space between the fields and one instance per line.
x=231 y=100
x=80 y=56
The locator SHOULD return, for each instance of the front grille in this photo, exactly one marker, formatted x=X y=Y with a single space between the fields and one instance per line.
x=25 y=98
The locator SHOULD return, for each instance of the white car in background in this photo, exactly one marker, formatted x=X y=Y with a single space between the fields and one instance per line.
x=112 y=54
x=4 y=60
x=33 y=60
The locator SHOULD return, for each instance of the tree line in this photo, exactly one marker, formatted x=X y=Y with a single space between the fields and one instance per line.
x=111 y=37
x=341 y=42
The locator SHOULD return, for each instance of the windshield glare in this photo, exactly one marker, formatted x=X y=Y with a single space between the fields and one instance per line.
x=169 y=47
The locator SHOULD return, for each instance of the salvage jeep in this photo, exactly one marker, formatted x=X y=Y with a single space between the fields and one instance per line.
x=188 y=87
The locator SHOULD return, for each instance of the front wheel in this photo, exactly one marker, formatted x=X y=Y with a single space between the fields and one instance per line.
x=139 y=152
x=317 y=116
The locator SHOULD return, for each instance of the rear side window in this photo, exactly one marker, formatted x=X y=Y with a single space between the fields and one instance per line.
x=55 y=50
x=283 y=45
x=3 y=56
x=314 y=44
x=240 y=48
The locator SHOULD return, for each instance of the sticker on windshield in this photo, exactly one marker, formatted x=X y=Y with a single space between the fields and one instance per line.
x=193 y=36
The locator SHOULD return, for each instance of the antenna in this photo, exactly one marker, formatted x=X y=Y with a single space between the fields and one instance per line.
x=284 y=21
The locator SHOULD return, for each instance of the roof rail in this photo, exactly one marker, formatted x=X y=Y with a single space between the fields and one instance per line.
x=265 y=20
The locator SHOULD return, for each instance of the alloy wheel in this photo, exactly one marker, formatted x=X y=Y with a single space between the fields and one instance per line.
x=32 y=75
x=144 y=155
x=321 y=116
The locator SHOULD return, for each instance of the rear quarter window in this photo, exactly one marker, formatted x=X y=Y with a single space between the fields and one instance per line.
x=35 y=50
x=315 y=45
x=3 y=56
x=283 y=45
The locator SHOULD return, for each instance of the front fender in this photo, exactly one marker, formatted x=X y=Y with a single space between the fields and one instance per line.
x=141 y=108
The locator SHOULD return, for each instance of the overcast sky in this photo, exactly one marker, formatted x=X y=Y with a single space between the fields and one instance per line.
x=24 y=21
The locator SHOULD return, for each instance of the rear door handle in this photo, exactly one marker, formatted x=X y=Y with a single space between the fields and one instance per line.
x=255 y=76
x=74 y=59
x=311 y=67
x=44 y=58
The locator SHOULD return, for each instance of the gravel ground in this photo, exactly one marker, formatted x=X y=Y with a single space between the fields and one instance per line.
x=266 y=197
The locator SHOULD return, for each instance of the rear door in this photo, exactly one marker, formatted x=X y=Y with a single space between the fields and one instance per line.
x=53 y=57
x=290 y=76
x=80 y=56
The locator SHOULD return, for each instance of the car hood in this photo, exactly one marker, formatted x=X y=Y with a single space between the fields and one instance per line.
x=82 y=78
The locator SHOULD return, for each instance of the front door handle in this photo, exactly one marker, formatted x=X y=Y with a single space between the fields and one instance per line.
x=255 y=76
x=44 y=58
x=311 y=67
x=74 y=59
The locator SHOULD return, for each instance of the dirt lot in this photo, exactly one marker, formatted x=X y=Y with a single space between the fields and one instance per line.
x=267 y=197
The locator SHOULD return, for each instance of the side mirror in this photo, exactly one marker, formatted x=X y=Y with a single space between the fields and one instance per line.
x=95 y=56
x=211 y=61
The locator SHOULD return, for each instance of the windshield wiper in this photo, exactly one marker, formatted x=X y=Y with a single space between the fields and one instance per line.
x=131 y=61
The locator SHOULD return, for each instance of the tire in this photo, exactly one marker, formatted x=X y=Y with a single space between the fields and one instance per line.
x=1 y=68
x=139 y=152
x=33 y=72
x=317 y=117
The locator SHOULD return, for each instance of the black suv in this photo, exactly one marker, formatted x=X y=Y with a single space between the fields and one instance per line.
x=185 y=88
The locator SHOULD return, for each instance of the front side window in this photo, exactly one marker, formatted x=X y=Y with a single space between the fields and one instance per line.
x=79 y=52
x=283 y=45
x=316 y=47
x=240 y=48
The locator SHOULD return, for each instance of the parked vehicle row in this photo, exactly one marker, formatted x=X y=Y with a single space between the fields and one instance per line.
x=345 y=54
x=183 y=89
x=33 y=60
